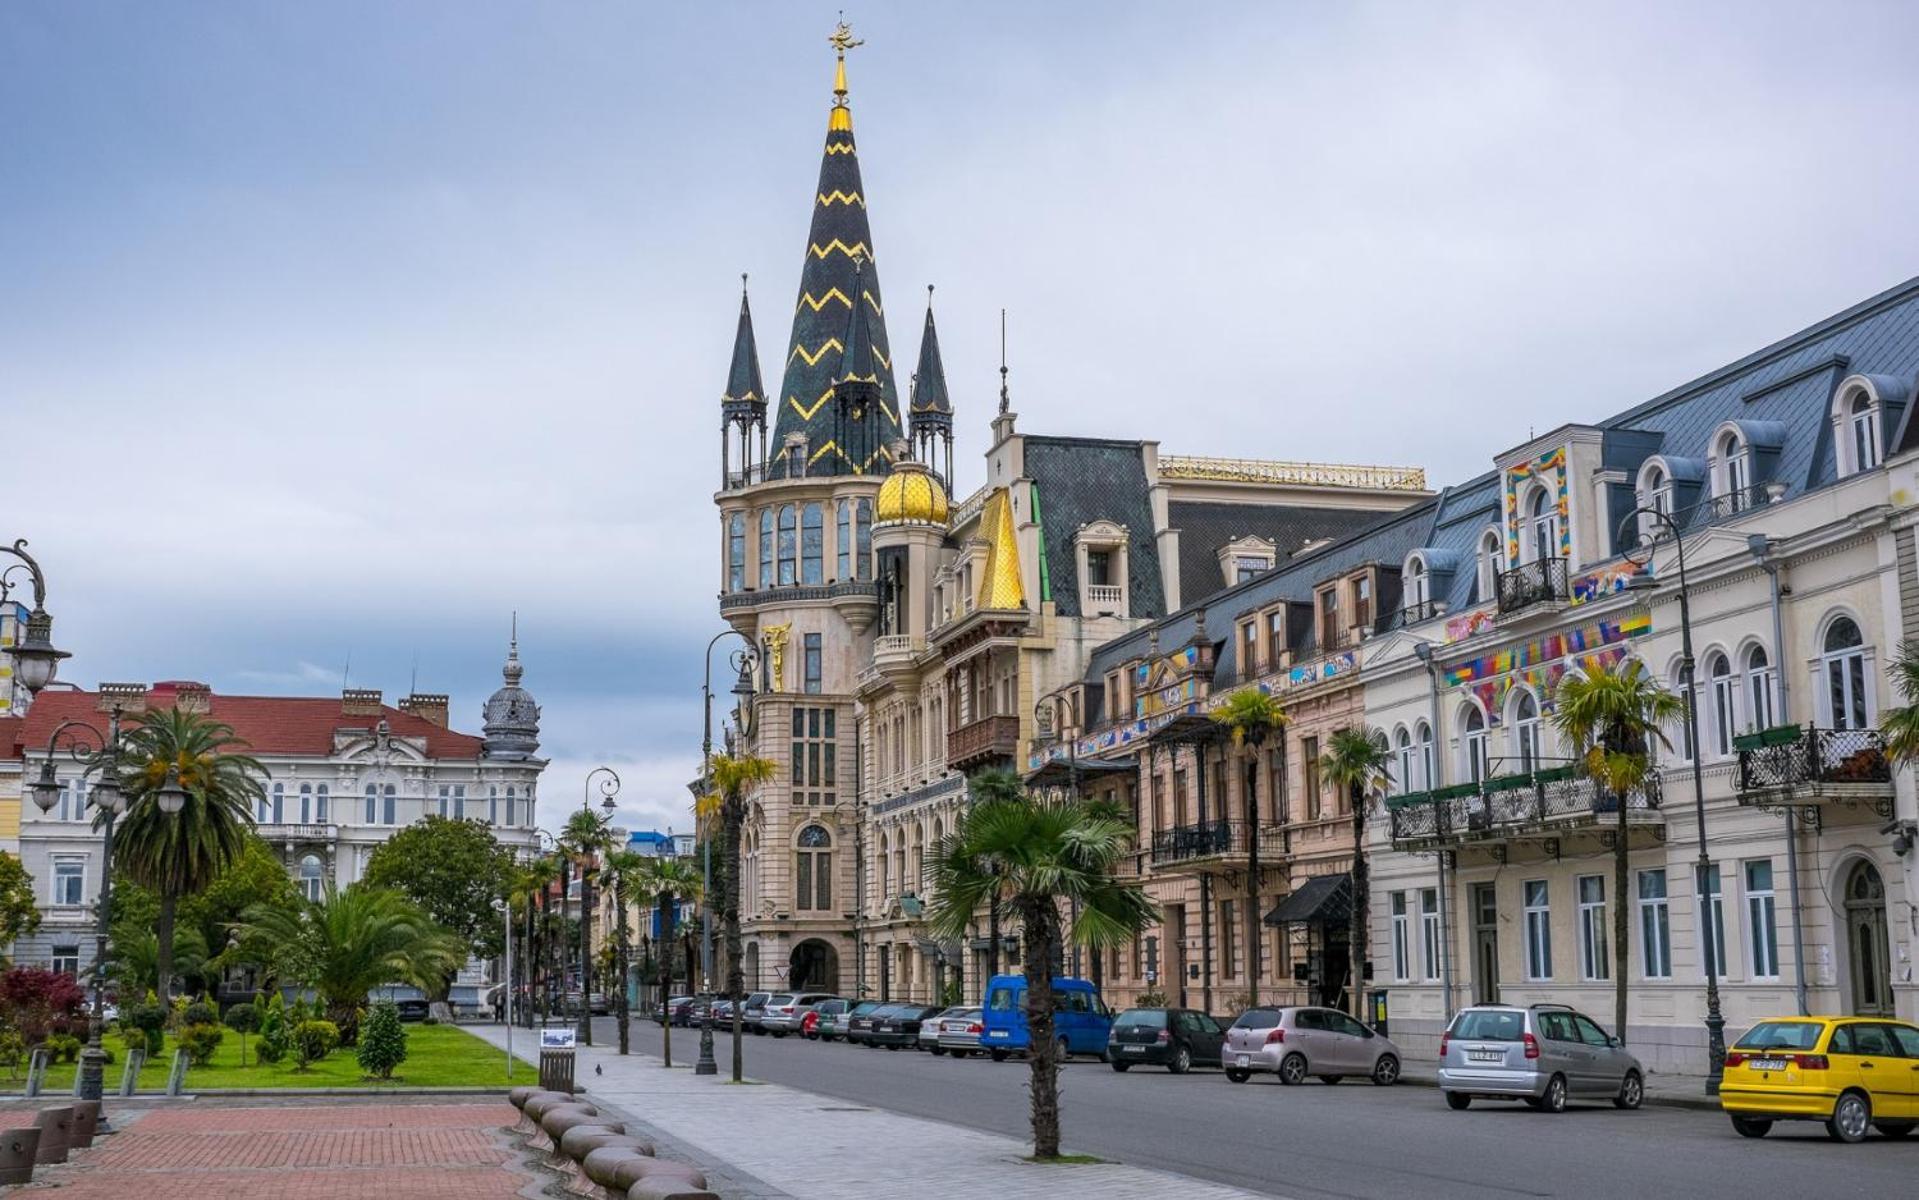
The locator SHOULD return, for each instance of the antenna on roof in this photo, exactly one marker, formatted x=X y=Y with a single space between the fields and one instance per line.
x=1005 y=400
x=346 y=672
x=413 y=684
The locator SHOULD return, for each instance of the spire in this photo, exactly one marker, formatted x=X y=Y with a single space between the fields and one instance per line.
x=745 y=395
x=931 y=408
x=512 y=726
x=856 y=358
x=837 y=275
x=1001 y=584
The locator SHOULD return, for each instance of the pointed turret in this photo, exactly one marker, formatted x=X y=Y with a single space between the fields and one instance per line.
x=838 y=276
x=743 y=406
x=931 y=412
x=512 y=726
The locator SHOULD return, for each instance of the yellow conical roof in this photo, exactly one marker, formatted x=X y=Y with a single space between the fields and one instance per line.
x=1001 y=586
x=911 y=493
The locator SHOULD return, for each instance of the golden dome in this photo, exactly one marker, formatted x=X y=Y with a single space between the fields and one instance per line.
x=911 y=493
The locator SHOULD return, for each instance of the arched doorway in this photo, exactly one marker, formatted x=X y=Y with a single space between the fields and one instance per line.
x=1867 y=945
x=815 y=967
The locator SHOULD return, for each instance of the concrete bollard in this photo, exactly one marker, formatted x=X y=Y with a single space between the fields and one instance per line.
x=130 y=1074
x=19 y=1147
x=37 y=1070
x=56 y=1127
x=177 y=1075
x=86 y=1122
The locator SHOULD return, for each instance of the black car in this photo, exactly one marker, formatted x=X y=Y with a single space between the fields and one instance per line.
x=410 y=1001
x=898 y=1025
x=859 y=1022
x=1178 y=1039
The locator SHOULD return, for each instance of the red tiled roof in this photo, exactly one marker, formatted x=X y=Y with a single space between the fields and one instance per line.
x=301 y=725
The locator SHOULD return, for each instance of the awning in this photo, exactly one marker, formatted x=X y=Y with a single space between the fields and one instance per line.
x=951 y=952
x=1321 y=900
x=1061 y=772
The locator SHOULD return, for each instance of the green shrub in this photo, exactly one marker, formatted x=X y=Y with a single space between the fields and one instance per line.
x=62 y=1047
x=200 y=1013
x=13 y=1050
x=313 y=1041
x=276 y=1037
x=243 y=1019
x=382 y=1041
x=200 y=1041
x=429 y=1020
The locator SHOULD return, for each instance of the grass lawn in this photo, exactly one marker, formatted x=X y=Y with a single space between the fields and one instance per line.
x=437 y=1056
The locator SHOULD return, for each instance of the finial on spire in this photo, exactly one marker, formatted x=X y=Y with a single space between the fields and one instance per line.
x=1005 y=397
x=842 y=40
x=513 y=670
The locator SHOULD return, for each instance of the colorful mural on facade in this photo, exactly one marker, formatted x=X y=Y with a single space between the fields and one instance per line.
x=1540 y=665
x=1551 y=470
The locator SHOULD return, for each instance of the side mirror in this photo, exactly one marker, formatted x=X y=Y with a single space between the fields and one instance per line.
x=1614 y=1042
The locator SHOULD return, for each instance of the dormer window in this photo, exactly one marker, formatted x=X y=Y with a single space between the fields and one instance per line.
x=1732 y=472
x=1862 y=428
x=1415 y=584
x=1542 y=525
x=1490 y=560
x=1246 y=557
x=1329 y=619
x=1101 y=547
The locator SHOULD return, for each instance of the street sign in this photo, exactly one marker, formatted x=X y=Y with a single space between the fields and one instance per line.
x=557 y=1039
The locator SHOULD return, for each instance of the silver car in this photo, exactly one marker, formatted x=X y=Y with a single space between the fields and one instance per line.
x=1545 y=1055
x=1294 y=1043
x=959 y=1031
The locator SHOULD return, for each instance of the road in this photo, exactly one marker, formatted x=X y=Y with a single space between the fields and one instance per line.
x=1350 y=1141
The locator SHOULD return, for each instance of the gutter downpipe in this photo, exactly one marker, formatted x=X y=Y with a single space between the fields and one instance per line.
x=1761 y=547
x=1424 y=651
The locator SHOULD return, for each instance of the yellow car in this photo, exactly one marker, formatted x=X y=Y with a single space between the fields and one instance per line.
x=1850 y=1072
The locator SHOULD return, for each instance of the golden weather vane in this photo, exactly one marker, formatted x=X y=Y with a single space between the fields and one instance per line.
x=842 y=38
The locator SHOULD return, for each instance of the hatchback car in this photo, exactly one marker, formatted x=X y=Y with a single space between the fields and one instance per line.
x=1296 y=1042
x=859 y=1022
x=898 y=1027
x=1545 y=1055
x=1851 y=1073
x=959 y=1031
x=753 y=1010
x=1178 y=1039
x=821 y=1020
x=783 y=1011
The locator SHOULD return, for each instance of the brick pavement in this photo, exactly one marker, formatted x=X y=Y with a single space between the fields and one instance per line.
x=281 y=1151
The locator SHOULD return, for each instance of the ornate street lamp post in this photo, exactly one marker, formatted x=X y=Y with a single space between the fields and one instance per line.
x=35 y=661
x=609 y=787
x=744 y=661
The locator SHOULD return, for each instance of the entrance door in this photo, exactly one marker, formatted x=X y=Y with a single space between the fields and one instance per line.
x=1485 y=944
x=1175 y=949
x=1335 y=961
x=1867 y=943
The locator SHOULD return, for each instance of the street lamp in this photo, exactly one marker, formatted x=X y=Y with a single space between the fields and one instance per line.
x=85 y=746
x=506 y=976
x=745 y=661
x=35 y=661
x=1639 y=554
x=609 y=787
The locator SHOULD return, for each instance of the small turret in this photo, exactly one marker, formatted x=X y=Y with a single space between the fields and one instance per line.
x=930 y=415
x=512 y=727
x=743 y=405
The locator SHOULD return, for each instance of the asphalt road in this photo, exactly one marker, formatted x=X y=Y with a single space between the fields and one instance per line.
x=1353 y=1140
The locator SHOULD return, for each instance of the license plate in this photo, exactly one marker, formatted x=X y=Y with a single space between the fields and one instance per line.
x=1135 y=1049
x=1244 y=1060
x=1485 y=1056
x=997 y=1033
x=1768 y=1064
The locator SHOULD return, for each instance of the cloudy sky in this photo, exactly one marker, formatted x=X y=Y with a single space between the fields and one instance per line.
x=336 y=333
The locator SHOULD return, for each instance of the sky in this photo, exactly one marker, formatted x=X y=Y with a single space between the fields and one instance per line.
x=333 y=335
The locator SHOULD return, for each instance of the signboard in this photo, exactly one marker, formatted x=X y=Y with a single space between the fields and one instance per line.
x=557 y=1039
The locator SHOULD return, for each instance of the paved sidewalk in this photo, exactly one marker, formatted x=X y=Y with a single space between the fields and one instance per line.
x=791 y=1143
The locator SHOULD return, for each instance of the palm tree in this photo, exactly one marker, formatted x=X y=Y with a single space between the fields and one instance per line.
x=530 y=887
x=1249 y=715
x=180 y=854
x=1039 y=855
x=347 y=943
x=668 y=881
x=994 y=787
x=1900 y=726
x=588 y=837
x=624 y=873
x=1612 y=716
x=732 y=777
x=1356 y=759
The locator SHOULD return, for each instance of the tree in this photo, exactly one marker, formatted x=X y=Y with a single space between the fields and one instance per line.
x=1356 y=760
x=733 y=776
x=454 y=871
x=19 y=915
x=1249 y=716
x=202 y=923
x=243 y=1019
x=1900 y=725
x=994 y=787
x=1612 y=716
x=1039 y=855
x=669 y=881
x=135 y=965
x=625 y=874
x=38 y=1002
x=349 y=942
x=180 y=854
x=588 y=838
x=382 y=1041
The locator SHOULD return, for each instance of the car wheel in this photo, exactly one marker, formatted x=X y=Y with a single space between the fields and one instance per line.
x=895 y=1047
x=1238 y=1076
x=1554 y=1101
x=1386 y=1071
x=1752 y=1127
x=779 y=1033
x=1292 y=1069
x=959 y=1054
x=999 y=1055
x=1122 y=1067
x=1896 y=1130
x=939 y=1051
x=1631 y=1092
x=1851 y=1116
x=1458 y=1101
x=1182 y=1061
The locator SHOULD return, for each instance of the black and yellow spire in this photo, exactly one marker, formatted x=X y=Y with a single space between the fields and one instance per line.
x=837 y=275
x=930 y=409
x=743 y=405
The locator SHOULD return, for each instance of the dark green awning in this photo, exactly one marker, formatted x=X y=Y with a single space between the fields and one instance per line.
x=1321 y=900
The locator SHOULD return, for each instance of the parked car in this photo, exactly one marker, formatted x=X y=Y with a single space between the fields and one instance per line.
x=859 y=1022
x=754 y=1010
x=958 y=1031
x=1545 y=1055
x=898 y=1026
x=782 y=1015
x=929 y=1038
x=696 y=1011
x=820 y=1023
x=1080 y=1021
x=1849 y=1072
x=1296 y=1042
x=854 y=1021
x=1178 y=1039
x=723 y=1011
x=668 y=1009
x=410 y=1001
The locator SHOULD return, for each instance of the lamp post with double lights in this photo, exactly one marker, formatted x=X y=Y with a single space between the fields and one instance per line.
x=1639 y=553
x=35 y=661
x=609 y=787
x=744 y=660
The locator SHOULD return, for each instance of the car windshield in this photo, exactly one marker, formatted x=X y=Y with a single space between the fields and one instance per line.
x=1781 y=1035
x=1489 y=1025
x=1143 y=1018
x=831 y=1007
x=1257 y=1018
x=1003 y=999
x=781 y=999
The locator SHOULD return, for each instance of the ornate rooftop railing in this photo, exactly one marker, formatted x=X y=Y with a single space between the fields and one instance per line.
x=1253 y=470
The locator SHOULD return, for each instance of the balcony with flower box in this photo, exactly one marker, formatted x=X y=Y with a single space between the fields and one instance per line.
x=1794 y=765
x=1543 y=803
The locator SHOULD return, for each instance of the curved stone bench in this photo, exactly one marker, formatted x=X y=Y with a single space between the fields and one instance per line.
x=628 y=1172
x=600 y=1163
x=669 y=1189
x=581 y=1140
x=56 y=1127
x=557 y=1120
x=537 y=1105
x=518 y=1096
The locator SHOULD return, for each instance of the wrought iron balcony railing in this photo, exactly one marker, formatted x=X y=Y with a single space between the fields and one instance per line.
x=1209 y=839
x=1818 y=762
x=1540 y=581
x=1506 y=806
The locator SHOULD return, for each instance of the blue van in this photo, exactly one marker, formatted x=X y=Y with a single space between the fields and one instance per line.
x=1080 y=1021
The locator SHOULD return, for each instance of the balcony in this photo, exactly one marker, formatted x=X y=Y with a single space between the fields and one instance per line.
x=287 y=831
x=1542 y=804
x=851 y=590
x=1418 y=611
x=1542 y=581
x=895 y=654
x=1791 y=765
x=1214 y=843
x=979 y=743
x=1105 y=600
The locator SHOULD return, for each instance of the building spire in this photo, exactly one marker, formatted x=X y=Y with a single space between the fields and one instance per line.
x=1005 y=396
x=743 y=386
x=842 y=40
x=931 y=414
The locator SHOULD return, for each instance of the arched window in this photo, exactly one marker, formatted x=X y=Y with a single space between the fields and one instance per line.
x=1526 y=729
x=492 y=804
x=736 y=552
x=863 y=539
x=372 y=803
x=512 y=807
x=843 y=540
x=306 y=804
x=766 y=547
x=813 y=870
x=1542 y=524
x=1414 y=584
x=812 y=546
x=1761 y=690
x=1862 y=431
x=279 y=803
x=886 y=875
x=320 y=805
x=1658 y=493
x=1689 y=696
x=1402 y=781
x=1472 y=743
x=1490 y=560
x=1735 y=472
x=390 y=803
x=1423 y=739
x=789 y=545
x=312 y=885
x=1843 y=666
x=1724 y=692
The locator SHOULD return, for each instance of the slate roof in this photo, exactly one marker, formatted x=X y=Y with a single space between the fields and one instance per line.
x=1206 y=525
x=932 y=408
x=1082 y=480
x=745 y=395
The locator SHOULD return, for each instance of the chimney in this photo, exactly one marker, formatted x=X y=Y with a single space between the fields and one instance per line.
x=127 y=697
x=361 y=702
x=428 y=706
